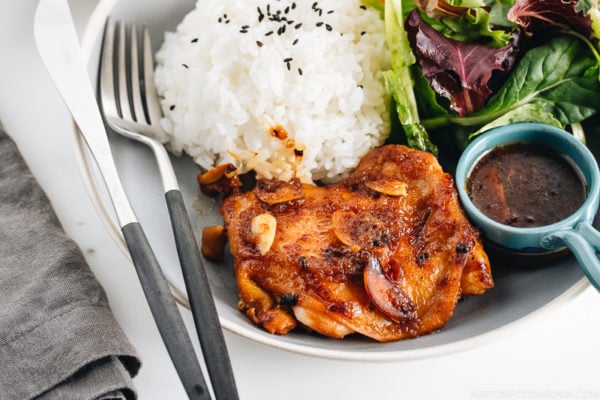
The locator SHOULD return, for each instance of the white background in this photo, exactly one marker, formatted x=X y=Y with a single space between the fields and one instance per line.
x=555 y=356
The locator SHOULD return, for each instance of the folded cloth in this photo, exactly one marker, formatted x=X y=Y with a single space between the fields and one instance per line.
x=58 y=336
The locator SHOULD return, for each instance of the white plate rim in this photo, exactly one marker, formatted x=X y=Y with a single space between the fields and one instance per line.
x=93 y=27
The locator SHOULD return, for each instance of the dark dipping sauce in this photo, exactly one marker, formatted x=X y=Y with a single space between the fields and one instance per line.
x=525 y=185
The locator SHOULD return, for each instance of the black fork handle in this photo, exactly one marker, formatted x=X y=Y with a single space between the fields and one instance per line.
x=165 y=312
x=201 y=300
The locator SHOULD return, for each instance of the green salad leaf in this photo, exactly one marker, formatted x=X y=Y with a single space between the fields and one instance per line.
x=550 y=84
x=554 y=79
x=577 y=18
x=529 y=112
x=586 y=5
x=498 y=10
x=474 y=26
x=594 y=14
x=459 y=72
x=466 y=3
x=554 y=74
x=399 y=81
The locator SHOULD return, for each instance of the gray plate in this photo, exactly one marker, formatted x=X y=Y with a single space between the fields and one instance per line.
x=519 y=295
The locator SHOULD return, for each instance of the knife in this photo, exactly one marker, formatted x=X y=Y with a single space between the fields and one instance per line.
x=58 y=45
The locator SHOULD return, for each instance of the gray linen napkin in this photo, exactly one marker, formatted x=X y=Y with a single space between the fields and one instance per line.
x=58 y=337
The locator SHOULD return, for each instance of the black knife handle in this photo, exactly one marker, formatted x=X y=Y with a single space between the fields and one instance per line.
x=165 y=312
x=201 y=300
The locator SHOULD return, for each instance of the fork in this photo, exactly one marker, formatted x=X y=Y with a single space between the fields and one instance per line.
x=131 y=108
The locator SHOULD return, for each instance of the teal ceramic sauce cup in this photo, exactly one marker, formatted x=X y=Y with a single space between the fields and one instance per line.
x=574 y=232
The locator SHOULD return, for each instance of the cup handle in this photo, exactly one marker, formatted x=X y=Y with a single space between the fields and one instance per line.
x=584 y=242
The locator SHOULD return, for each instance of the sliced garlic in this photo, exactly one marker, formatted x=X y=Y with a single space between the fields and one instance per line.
x=213 y=175
x=276 y=192
x=264 y=227
x=391 y=187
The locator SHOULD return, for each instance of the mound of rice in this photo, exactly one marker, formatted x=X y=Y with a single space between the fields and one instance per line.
x=285 y=88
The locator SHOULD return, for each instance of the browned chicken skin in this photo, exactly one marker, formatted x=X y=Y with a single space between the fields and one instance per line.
x=386 y=253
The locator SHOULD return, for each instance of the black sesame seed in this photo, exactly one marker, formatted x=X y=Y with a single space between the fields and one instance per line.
x=184 y=65
x=319 y=23
x=194 y=40
x=297 y=26
x=363 y=7
x=328 y=27
x=330 y=12
x=363 y=33
x=269 y=33
x=293 y=6
x=300 y=71
x=295 y=42
x=287 y=60
x=172 y=107
x=259 y=43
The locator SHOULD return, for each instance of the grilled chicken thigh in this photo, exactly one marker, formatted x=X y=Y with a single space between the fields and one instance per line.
x=385 y=253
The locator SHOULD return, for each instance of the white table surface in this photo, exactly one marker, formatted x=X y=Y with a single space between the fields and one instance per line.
x=554 y=356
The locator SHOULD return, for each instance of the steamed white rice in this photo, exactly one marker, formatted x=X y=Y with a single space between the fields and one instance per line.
x=236 y=72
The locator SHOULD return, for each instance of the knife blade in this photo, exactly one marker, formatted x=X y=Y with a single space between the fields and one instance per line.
x=58 y=46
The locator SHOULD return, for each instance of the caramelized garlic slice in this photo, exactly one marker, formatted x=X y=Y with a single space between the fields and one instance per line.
x=264 y=227
x=389 y=186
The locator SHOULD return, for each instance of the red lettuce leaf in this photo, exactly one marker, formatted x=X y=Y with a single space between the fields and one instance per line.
x=460 y=72
x=535 y=15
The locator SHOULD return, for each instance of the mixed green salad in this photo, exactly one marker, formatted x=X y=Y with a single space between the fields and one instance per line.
x=460 y=67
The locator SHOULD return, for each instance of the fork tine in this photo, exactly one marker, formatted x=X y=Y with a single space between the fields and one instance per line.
x=136 y=95
x=124 y=101
x=107 y=83
x=152 y=104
